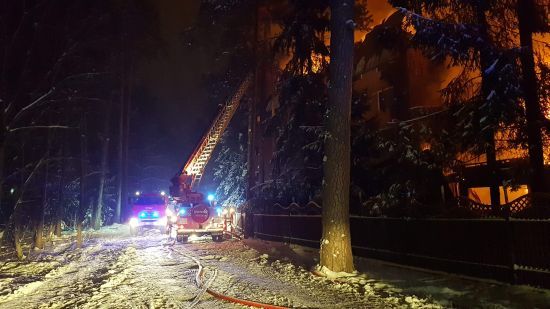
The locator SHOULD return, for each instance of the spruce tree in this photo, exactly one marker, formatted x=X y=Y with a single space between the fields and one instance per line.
x=480 y=37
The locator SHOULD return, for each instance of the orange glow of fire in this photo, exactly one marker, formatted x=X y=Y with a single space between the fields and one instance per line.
x=541 y=43
x=319 y=61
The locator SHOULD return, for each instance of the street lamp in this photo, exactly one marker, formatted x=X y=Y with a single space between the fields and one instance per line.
x=138 y=193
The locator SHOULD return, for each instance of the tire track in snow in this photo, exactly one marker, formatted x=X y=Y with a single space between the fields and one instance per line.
x=149 y=275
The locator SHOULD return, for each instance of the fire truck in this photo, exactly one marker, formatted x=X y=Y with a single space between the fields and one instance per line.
x=195 y=215
x=148 y=212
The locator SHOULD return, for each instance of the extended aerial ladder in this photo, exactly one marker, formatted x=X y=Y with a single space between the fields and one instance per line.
x=193 y=170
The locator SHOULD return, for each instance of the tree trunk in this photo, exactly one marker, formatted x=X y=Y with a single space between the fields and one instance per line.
x=490 y=147
x=104 y=157
x=120 y=180
x=58 y=217
x=12 y=233
x=126 y=132
x=39 y=230
x=39 y=233
x=2 y=158
x=79 y=234
x=526 y=11
x=17 y=237
x=492 y=166
x=336 y=254
x=124 y=128
x=81 y=212
x=251 y=109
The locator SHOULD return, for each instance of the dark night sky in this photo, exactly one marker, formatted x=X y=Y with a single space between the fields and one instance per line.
x=171 y=109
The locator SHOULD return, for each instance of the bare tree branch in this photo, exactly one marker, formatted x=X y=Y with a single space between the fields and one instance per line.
x=30 y=106
x=26 y=183
x=40 y=127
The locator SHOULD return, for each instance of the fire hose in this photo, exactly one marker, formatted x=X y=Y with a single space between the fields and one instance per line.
x=205 y=287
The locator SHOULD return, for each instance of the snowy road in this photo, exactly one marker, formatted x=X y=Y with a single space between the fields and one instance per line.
x=150 y=271
x=114 y=270
x=140 y=272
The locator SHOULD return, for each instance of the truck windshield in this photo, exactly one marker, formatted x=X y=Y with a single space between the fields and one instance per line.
x=149 y=200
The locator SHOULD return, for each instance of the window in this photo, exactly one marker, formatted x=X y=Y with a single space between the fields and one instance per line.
x=149 y=200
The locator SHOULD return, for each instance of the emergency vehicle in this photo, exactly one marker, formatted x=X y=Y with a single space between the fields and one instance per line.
x=196 y=215
x=148 y=212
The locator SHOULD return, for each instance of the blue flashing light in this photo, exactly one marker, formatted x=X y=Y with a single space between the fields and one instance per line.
x=210 y=197
x=155 y=214
x=182 y=212
x=219 y=211
x=142 y=214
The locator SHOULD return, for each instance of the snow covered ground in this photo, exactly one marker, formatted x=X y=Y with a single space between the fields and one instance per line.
x=115 y=270
x=406 y=287
x=112 y=270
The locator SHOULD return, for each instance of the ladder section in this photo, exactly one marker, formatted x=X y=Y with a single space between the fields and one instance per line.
x=197 y=162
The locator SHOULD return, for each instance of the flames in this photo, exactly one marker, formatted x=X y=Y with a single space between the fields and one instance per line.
x=379 y=11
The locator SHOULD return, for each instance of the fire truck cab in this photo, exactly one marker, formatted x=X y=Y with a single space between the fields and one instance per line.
x=148 y=212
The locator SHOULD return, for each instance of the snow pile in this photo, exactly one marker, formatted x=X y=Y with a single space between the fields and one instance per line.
x=332 y=274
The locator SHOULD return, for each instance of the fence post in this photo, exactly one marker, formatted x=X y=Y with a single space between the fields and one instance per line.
x=510 y=247
x=289 y=227
x=250 y=224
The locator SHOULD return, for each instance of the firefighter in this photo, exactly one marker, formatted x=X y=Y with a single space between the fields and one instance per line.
x=171 y=216
x=180 y=184
x=184 y=182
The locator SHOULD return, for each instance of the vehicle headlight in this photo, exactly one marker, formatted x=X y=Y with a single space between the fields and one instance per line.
x=155 y=214
x=134 y=222
x=182 y=212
